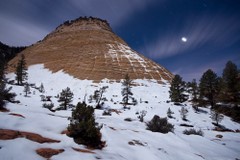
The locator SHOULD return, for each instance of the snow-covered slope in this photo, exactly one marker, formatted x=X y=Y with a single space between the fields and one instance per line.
x=124 y=140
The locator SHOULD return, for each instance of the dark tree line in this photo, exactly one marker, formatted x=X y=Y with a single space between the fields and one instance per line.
x=221 y=93
x=7 y=53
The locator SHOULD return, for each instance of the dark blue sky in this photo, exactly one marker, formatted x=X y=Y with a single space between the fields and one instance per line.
x=152 y=27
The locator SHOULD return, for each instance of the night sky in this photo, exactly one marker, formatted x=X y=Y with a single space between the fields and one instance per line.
x=185 y=36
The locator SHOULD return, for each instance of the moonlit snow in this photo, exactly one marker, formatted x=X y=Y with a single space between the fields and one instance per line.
x=117 y=132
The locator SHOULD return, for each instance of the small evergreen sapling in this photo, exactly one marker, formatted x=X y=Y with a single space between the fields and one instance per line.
x=98 y=96
x=41 y=88
x=216 y=117
x=65 y=98
x=26 y=89
x=126 y=91
x=183 y=113
x=141 y=115
x=169 y=113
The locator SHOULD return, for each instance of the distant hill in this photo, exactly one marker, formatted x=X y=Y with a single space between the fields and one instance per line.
x=9 y=52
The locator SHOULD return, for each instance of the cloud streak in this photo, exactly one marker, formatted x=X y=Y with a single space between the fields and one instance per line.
x=20 y=33
x=27 y=21
x=203 y=31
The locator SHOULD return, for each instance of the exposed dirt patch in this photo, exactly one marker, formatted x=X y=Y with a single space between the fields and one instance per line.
x=83 y=150
x=6 y=134
x=237 y=131
x=115 y=110
x=48 y=152
x=16 y=114
x=219 y=129
x=65 y=132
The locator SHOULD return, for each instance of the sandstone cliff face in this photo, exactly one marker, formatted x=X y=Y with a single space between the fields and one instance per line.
x=87 y=48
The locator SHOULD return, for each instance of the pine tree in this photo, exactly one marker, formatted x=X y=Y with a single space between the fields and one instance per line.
x=5 y=94
x=169 y=113
x=41 y=88
x=21 y=71
x=126 y=90
x=177 y=90
x=98 y=95
x=209 y=88
x=230 y=82
x=26 y=89
x=194 y=91
x=83 y=127
x=65 y=98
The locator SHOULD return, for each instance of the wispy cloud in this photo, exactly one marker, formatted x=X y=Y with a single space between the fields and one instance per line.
x=116 y=12
x=200 y=31
x=25 y=22
x=18 y=33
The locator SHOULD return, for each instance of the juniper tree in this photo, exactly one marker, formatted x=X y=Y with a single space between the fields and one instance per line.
x=65 y=98
x=21 y=70
x=126 y=90
x=83 y=127
x=209 y=88
x=177 y=90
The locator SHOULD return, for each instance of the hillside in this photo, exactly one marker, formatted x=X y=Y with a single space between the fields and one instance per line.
x=125 y=140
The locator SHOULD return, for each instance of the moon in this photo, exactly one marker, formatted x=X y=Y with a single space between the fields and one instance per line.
x=184 y=39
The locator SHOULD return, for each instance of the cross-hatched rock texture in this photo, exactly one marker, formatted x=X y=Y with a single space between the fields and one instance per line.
x=87 y=48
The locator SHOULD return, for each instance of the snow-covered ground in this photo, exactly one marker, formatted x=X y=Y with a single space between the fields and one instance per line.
x=115 y=131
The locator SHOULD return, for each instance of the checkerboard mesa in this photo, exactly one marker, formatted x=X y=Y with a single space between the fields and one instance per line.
x=87 y=48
